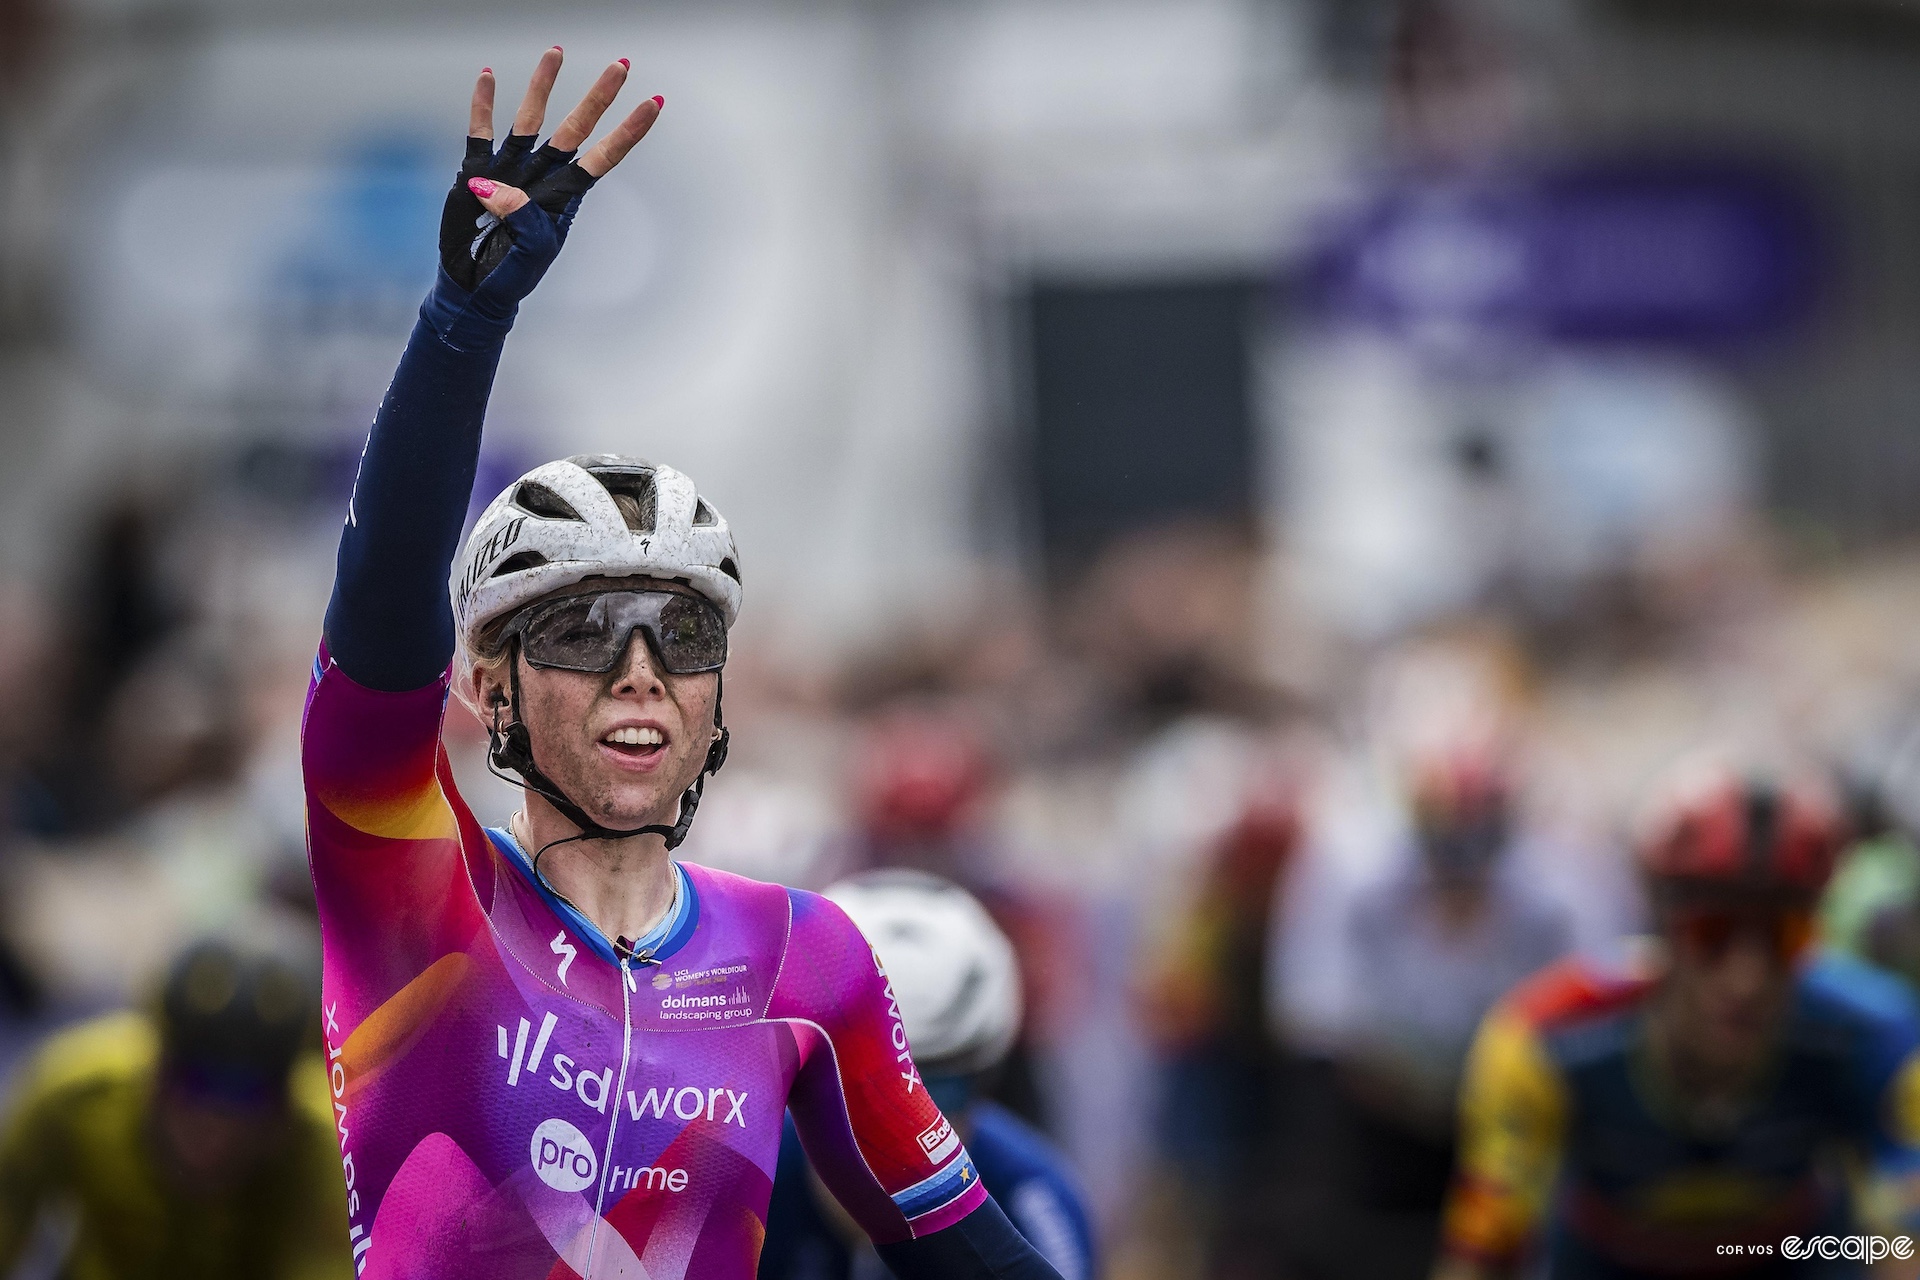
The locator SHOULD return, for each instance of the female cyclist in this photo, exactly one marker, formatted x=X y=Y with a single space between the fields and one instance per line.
x=552 y=1049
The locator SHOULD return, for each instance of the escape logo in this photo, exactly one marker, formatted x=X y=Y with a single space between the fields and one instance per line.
x=1867 y=1249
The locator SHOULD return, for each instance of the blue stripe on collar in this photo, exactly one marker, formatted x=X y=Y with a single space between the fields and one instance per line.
x=661 y=941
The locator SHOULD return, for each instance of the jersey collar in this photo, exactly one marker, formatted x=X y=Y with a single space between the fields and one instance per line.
x=661 y=941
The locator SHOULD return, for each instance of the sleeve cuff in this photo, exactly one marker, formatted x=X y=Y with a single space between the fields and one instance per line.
x=450 y=312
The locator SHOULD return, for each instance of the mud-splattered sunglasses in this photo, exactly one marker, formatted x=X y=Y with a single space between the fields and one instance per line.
x=589 y=632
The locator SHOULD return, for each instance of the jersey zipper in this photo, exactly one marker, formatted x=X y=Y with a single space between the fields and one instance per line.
x=619 y=1092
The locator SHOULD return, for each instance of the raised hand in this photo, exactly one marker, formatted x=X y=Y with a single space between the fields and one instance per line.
x=512 y=208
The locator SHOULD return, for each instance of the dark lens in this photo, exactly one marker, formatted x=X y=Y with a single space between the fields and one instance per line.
x=691 y=636
x=588 y=633
x=576 y=635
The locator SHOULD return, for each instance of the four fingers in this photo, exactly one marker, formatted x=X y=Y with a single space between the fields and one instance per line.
x=613 y=148
x=573 y=131
x=480 y=111
x=533 y=107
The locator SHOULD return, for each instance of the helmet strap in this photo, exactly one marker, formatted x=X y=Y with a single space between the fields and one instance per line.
x=510 y=747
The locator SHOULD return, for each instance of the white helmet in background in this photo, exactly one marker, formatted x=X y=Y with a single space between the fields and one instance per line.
x=951 y=968
x=595 y=515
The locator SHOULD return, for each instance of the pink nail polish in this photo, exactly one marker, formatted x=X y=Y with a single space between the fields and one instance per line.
x=659 y=100
x=626 y=64
x=482 y=187
x=558 y=49
x=486 y=71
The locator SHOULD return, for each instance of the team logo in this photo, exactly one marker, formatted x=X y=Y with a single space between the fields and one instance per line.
x=661 y=981
x=483 y=559
x=562 y=1156
x=561 y=947
x=939 y=1140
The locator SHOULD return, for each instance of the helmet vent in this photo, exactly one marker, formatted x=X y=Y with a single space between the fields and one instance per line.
x=731 y=569
x=538 y=500
x=703 y=514
x=632 y=492
x=515 y=563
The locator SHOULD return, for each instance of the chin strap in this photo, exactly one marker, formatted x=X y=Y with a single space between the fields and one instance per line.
x=509 y=747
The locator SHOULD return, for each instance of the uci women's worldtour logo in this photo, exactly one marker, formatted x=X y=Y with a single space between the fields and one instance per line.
x=562 y=1156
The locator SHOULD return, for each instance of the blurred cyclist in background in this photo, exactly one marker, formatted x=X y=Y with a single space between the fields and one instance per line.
x=1649 y=1123
x=954 y=975
x=923 y=783
x=920 y=783
x=197 y=1140
x=1871 y=910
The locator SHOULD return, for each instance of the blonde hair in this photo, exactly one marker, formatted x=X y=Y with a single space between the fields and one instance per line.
x=468 y=672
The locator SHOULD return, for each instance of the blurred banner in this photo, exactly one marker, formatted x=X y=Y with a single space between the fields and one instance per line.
x=1654 y=252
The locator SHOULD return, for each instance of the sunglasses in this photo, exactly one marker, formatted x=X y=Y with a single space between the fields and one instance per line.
x=588 y=633
x=1710 y=932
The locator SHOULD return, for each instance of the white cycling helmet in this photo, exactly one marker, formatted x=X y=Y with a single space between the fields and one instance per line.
x=951 y=968
x=595 y=515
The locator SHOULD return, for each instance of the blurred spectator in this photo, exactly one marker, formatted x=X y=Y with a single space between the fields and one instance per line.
x=1203 y=1005
x=24 y=654
x=953 y=972
x=118 y=612
x=1437 y=944
x=195 y=1139
x=1163 y=620
x=1423 y=951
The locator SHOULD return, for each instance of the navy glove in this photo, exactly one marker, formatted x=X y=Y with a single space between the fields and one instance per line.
x=475 y=246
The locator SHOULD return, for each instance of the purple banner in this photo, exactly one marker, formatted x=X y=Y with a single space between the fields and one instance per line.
x=1666 y=253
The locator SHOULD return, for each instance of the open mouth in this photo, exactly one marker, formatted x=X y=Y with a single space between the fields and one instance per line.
x=636 y=742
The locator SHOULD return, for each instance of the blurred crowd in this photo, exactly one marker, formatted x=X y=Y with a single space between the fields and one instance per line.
x=1273 y=804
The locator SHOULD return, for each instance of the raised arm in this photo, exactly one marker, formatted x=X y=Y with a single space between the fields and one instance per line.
x=389 y=625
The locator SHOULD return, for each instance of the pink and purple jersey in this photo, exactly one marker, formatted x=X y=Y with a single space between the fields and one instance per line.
x=513 y=1099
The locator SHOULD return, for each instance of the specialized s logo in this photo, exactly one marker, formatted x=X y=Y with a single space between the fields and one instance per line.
x=562 y=1156
x=561 y=947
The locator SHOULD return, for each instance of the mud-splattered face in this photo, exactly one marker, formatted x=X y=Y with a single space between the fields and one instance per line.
x=624 y=744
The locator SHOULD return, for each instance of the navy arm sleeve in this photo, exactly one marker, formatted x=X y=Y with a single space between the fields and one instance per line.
x=981 y=1246
x=389 y=624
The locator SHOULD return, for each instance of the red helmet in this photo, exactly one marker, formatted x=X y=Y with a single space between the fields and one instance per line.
x=1461 y=782
x=920 y=778
x=1719 y=829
